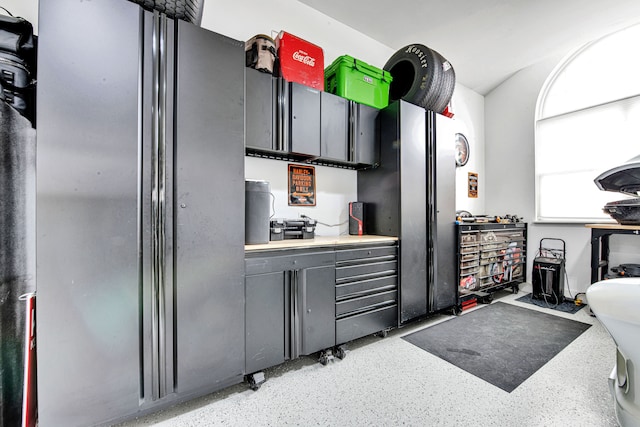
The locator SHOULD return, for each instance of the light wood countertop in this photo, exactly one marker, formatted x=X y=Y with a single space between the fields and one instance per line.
x=319 y=241
x=615 y=226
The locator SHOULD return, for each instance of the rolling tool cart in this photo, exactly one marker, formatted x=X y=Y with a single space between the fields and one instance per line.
x=548 y=272
x=491 y=257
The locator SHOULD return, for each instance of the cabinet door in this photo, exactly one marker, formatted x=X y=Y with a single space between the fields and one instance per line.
x=364 y=140
x=209 y=210
x=334 y=127
x=442 y=177
x=413 y=212
x=265 y=320
x=304 y=120
x=88 y=216
x=316 y=308
x=259 y=107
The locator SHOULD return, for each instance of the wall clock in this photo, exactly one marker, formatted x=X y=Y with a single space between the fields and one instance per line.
x=461 y=150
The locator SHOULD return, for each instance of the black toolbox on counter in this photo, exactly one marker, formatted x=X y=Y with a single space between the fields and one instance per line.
x=302 y=228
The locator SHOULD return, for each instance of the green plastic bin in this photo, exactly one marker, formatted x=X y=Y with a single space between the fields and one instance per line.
x=358 y=81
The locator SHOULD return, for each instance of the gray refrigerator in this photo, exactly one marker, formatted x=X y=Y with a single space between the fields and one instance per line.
x=411 y=195
x=140 y=211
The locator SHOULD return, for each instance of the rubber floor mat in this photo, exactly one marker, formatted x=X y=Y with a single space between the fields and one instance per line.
x=501 y=343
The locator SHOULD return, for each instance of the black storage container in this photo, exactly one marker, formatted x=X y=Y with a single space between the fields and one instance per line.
x=257 y=212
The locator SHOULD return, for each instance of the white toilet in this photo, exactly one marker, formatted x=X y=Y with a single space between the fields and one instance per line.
x=615 y=302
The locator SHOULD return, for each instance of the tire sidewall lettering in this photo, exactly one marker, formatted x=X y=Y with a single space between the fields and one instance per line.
x=422 y=57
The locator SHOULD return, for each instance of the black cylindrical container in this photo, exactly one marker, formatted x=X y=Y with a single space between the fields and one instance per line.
x=257 y=212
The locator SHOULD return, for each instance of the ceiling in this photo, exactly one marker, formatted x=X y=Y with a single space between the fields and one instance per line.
x=485 y=41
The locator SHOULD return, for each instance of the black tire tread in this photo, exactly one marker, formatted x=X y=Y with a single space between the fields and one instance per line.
x=430 y=87
x=186 y=10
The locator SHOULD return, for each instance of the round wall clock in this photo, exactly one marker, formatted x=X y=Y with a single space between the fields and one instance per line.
x=462 y=150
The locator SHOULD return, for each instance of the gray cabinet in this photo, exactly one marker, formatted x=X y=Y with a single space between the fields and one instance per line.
x=260 y=112
x=411 y=195
x=300 y=119
x=290 y=121
x=140 y=286
x=334 y=127
x=364 y=142
x=366 y=290
x=290 y=308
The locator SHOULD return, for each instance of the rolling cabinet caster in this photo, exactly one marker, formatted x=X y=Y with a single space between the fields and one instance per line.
x=341 y=352
x=383 y=333
x=255 y=380
x=487 y=299
x=326 y=356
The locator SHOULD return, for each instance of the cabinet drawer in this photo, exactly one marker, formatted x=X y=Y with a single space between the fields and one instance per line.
x=366 y=287
x=357 y=254
x=366 y=303
x=364 y=270
x=353 y=327
x=273 y=263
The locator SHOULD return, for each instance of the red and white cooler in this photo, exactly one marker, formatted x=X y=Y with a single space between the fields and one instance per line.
x=300 y=61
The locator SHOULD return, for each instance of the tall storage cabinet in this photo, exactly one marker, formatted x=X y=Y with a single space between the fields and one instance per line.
x=140 y=150
x=411 y=196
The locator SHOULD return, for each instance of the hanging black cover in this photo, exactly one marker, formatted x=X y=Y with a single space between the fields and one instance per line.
x=18 y=65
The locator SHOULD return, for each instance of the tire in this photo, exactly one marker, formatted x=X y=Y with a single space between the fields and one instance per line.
x=447 y=84
x=421 y=76
x=186 y=10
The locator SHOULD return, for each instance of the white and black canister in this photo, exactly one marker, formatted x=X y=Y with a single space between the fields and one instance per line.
x=257 y=212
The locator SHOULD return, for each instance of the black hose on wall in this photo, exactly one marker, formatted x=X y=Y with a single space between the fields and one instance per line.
x=17 y=253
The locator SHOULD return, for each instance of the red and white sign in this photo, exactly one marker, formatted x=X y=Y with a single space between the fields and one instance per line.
x=300 y=61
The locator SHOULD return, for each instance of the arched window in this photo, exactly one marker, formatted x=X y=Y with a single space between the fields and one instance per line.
x=587 y=122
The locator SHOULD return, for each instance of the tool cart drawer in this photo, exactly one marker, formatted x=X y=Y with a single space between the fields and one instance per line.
x=366 y=303
x=291 y=261
x=363 y=254
x=365 y=287
x=360 y=325
x=366 y=291
x=363 y=270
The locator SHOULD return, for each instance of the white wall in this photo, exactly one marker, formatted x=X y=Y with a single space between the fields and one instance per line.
x=468 y=108
x=509 y=161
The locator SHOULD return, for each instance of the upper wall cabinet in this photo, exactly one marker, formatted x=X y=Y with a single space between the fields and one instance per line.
x=334 y=127
x=260 y=110
x=299 y=118
x=290 y=121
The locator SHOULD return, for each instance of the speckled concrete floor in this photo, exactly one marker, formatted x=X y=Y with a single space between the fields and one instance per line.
x=390 y=382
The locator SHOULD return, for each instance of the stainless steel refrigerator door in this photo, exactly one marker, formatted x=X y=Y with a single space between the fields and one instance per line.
x=442 y=232
x=88 y=212
x=209 y=210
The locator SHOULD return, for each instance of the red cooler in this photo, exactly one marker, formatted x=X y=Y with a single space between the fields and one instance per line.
x=300 y=61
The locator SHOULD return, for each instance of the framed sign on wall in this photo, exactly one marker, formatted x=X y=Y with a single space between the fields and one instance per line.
x=473 y=185
x=302 y=185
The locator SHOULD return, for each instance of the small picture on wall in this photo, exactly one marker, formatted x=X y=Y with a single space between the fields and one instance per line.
x=302 y=185
x=473 y=185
